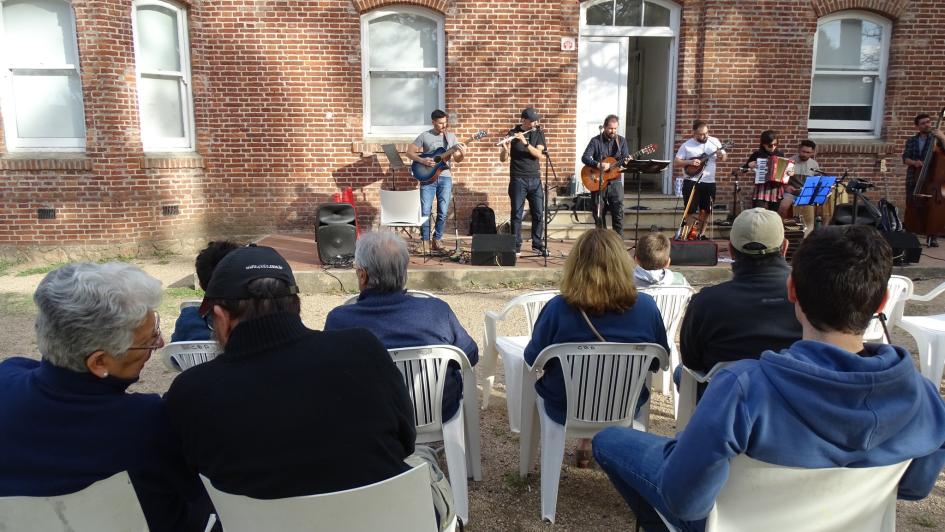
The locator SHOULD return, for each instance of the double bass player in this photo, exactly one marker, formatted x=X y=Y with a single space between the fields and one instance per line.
x=919 y=218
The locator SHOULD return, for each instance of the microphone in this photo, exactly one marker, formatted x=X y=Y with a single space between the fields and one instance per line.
x=537 y=127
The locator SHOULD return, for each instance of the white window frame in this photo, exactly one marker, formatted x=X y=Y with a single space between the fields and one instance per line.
x=440 y=70
x=168 y=144
x=872 y=129
x=8 y=69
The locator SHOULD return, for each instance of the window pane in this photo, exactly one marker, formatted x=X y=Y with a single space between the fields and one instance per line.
x=48 y=106
x=157 y=39
x=655 y=15
x=403 y=99
x=161 y=107
x=842 y=97
x=601 y=14
x=402 y=40
x=849 y=44
x=41 y=32
x=629 y=12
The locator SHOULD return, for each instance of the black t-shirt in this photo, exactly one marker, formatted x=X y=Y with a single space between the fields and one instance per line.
x=523 y=164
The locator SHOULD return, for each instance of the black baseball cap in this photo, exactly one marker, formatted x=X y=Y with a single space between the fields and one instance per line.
x=530 y=113
x=242 y=266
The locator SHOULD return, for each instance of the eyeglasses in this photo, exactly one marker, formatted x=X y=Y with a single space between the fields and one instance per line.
x=156 y=341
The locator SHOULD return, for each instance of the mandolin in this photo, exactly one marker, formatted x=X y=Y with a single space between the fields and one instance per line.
x=595 y=178
x=694 y=171
x=428 y=174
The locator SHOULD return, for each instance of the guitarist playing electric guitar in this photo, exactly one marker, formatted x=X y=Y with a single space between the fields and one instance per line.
x=697 y=157
x=442 y=186
x=607 y=144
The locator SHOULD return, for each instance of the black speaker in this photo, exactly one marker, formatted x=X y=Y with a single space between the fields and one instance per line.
x=906 y=246
x=493 y=250
x=335 y=233
x=693 y=253
x=866 y=214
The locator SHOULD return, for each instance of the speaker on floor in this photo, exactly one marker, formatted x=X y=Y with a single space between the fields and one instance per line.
x=905 y=245
x=493 y=250
x=693 y=253
x=866 y=214
x=335 y=233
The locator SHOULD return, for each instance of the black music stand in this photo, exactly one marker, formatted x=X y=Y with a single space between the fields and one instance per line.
x=644 y=166
x=395 y=162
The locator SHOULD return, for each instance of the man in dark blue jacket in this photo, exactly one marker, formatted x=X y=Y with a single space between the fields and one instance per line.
x=397 y=318
x=608 y=144
x=826 y=401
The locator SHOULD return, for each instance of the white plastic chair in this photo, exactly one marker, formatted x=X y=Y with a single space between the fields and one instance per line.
x=762 y=496
x=424 y=370
x=689 y=383
x=603 y=381
x=109 y=505
x=190 y=303
x=929 y=334
x=899 y=288
x=415 y=293
x=179 y=356
x=531 y=305
x=400 y=504
x=401 y=208
x=672 y=302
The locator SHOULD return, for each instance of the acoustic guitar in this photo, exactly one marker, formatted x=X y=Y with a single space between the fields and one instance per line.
x=694 y=171
x=428 y=174
x=594 y=178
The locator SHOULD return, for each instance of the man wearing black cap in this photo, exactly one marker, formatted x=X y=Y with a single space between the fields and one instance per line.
x=526 y=152
x=608 y=144
x=287 y=411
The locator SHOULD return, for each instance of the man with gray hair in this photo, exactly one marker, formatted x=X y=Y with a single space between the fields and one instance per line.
x=386 y=309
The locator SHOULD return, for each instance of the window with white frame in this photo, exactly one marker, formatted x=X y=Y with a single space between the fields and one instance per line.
x=162 y=57
x=851 y=50
x=42 y=89
x=402 y=52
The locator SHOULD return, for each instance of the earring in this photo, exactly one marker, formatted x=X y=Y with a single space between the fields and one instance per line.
x=104 y=374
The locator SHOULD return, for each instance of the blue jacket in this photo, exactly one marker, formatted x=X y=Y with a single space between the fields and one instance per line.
x=61 y=430
x=812 y=405
x=401 y=320
x=190 y=327
x=560 y=323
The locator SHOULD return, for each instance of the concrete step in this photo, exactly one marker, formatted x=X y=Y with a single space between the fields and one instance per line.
x=574 y=230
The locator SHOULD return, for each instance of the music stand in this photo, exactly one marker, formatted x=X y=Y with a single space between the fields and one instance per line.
x=394 y=160
x=644 y=166
x=814 y=193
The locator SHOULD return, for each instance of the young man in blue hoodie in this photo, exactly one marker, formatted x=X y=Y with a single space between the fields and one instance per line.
x=826 y=401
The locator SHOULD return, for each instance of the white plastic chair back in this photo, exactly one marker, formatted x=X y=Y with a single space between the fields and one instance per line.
x=761 y=496
x=179 y=356
x=400 y=504
x=672 y=302
x=415 y=293
x=689 y=383
x=899 y=289
x=424 y=370
x=401 y=208
x=109 y=505
x=530 y=305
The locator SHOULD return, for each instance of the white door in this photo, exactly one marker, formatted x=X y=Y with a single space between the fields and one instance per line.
x=602 y=88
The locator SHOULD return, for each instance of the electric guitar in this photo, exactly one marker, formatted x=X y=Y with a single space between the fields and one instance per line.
x=594 y=178
x=428 y=174
x=694 y=171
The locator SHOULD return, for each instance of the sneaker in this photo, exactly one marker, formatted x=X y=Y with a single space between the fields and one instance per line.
x=933 y=242
x=436 y=245
x=540 y=250
x=518 y=252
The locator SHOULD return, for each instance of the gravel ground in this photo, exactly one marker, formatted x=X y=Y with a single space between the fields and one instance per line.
x=501 y=501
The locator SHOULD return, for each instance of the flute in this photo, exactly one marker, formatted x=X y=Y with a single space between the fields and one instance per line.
x=510 y=137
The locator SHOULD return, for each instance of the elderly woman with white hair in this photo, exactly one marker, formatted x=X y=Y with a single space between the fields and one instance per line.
x=67 y=421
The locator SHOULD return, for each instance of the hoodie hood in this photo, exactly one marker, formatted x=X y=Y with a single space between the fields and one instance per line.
x=643 y=277
x=851 y=401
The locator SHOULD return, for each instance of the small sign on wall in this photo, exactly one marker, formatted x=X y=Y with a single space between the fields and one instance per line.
x=568 y=44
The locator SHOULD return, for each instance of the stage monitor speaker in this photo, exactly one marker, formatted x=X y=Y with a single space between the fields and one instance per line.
x=906 y=247
x=493 y=250
x=335 y=233
x=693 y=253
x=865 y=215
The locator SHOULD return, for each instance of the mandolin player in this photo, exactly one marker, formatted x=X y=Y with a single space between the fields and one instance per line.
x=699 y=153
x=608 y=144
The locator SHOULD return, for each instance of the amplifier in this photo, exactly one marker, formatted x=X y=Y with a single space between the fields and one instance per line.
x=493 y=250
x=693 y=253
x=905 y=246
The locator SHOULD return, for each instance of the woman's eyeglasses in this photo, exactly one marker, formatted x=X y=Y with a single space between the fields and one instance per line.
x=156 y=341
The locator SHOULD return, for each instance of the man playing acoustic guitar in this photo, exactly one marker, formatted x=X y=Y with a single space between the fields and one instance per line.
x=608 y=144
x=692 y=156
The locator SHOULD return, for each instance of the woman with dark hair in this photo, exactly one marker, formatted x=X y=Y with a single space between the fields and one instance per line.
x=597 y=282
x=767 y=194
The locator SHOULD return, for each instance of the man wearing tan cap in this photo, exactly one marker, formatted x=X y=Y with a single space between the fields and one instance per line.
x=751 y=313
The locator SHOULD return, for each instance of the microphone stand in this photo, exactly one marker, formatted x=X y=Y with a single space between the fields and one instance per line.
x=548 y=164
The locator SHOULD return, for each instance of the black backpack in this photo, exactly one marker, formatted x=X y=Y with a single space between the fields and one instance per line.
x=482 y=220
x=889 y=216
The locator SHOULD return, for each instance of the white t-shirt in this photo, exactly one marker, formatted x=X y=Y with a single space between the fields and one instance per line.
x=692 y=149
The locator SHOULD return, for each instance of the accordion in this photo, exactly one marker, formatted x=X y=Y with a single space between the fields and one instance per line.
x=774 y=169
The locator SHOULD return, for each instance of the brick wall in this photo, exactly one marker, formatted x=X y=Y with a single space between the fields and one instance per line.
x=278 y=109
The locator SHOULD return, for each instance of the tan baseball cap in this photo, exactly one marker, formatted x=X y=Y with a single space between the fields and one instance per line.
x=757 y=231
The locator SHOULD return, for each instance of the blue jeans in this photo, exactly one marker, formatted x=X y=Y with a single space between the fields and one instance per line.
x=521 y=189
x=634 y=460
x=442 y=188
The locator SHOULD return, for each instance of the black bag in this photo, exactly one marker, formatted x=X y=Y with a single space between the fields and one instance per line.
x=889 y=216
x=482 y=221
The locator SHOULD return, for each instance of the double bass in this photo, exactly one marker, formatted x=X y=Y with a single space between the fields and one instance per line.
x=925 y=215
